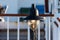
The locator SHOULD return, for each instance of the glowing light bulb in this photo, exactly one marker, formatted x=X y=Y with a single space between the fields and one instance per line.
x=33 y=21
x=33 y=24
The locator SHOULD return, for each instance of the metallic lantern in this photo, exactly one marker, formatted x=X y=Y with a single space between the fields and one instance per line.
x=33 y=18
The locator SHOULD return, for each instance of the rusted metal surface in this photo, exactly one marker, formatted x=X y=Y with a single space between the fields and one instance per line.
x=46 y=6
x=44 y=15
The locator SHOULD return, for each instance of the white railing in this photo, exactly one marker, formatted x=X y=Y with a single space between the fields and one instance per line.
x=18 y=28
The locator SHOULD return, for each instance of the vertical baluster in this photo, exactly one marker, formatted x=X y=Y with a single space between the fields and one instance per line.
x=28 y=32
x=18 y=30
x=49 y=29
x=7 y=28
x=38 y=30
x=46 y=29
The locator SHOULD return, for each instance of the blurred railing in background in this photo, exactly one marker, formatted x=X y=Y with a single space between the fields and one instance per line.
x=16 y=31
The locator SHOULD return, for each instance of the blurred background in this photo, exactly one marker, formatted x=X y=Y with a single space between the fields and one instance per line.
x=19 y=6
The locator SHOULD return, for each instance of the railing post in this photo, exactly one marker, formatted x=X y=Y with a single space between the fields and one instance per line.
x=7 y=28
x=18 y=28
x=49 y=29
x=28 y=32
x=38 y=30
x=46 y=29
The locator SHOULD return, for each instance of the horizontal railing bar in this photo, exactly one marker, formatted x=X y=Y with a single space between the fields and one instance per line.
x=44 y=15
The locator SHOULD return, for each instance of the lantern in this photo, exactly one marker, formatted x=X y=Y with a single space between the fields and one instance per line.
x=33 y=19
